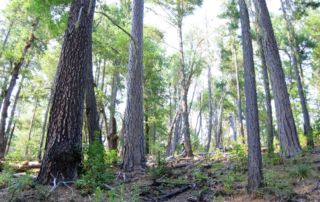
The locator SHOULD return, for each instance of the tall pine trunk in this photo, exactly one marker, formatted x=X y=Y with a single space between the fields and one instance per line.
x=265 y=76
x=252 y=120
x=295 y=55
x=63 y=149
x=287 y=131
x=134 y=151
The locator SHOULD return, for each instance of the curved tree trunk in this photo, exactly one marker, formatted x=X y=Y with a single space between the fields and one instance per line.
x=63 y=146
x=134 y=151
x=252 y=120
x=288 y=137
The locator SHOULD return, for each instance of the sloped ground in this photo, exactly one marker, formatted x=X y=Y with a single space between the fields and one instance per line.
x=219 y=177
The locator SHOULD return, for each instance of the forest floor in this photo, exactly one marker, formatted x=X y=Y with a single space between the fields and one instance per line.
x=218 y=177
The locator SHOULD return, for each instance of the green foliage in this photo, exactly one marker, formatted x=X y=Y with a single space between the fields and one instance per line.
x=272 y=159
x=240 y=155
x=96 y=170
x=300 y=171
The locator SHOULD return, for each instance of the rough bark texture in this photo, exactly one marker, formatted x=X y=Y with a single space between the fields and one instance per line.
x=6 y=102
x=295 y=55
x=288 y=138
x=10 y=138
x=92 y=115
x=252 y=120
x=270 y=128
x=63 y=146
x=112 y=136
x=210 y=124
x=134 y=151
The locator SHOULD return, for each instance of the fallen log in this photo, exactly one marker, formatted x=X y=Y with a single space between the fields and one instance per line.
x=174 y=193
x=25 y=166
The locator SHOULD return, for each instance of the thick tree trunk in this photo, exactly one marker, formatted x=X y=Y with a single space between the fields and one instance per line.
x=63 y=146
x=252 y=120
x=239 y=102
x=134 y=151
x=31 y=127
x=92 y=115
x=210 y=124
x=14 y=77
x=295 y=55
x=270 y=128
x=288 y=137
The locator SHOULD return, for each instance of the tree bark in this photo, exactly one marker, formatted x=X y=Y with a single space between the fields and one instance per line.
x=14 y=77
x=63 y=145
x=295 y=55
x=10 y=138
x=134 y=151
x=270 y=128
x=288 y=137
x=252 y=120
x=184 y=101
x=92 y=115
x=239 y=99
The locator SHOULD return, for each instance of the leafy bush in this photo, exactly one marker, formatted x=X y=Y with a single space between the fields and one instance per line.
x=96 y=170
x=240 y=153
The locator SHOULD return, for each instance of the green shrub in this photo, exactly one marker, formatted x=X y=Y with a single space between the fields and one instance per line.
x=240 y=153
x=96 y=171
x=300 y=171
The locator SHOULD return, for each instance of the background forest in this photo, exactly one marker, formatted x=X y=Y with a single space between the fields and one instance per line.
x=186 y=93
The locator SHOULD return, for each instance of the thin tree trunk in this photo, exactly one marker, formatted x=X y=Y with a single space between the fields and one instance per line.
x=13 y=109
x=184 y=100
x=91 y=104
x=63 y=152
x=233 y=127
x=252 y=120
x=239 y=102
x=6 y=38
x=147 y=127
x=14 y=77
x=44 y=124
x=270 y=128
x=134 y=151
x=295 y=63
x=210 y=110
x=10 y=138
x=31 y=127
x=218 y=137
x=288 y=137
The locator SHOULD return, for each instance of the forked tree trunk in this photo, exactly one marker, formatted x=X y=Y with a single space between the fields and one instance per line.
x=252 y=120
x=288 y=137
x=14 y=77
x=63 y=153
x=295 y=55
x=134 y=151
